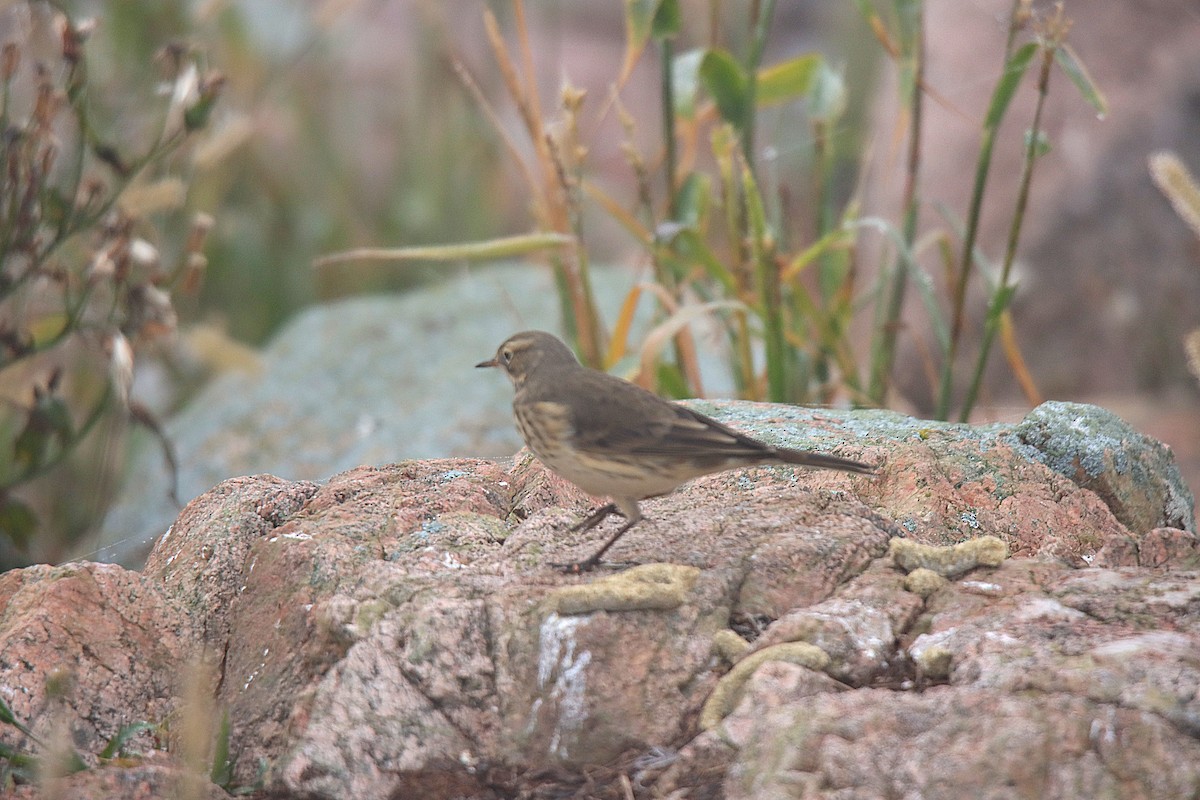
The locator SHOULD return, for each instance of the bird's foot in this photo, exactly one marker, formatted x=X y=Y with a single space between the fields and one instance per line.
x=576 y=567
x=589 y=564
x=595 y=518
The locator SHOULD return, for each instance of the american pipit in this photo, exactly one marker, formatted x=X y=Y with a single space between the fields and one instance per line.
x=614 y=439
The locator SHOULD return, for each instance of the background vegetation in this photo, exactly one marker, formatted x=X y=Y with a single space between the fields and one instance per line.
x=719 y=146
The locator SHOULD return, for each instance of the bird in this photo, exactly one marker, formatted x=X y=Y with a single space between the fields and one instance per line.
x=614 y=439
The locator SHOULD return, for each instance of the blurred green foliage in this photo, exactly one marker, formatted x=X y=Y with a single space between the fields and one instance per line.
x=329 y=133
x=776 y=262
x=342 y=125
x=86 y=274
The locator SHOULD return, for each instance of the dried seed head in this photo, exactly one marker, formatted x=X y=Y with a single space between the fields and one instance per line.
x=202 y=224
x=150 y=312
x=171 y=57
x=143 y=253
x=193 y=273
x=572 y=98
x=101 y=267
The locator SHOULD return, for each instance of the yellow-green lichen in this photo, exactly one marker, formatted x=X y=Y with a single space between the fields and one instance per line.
x=950 y=561
x=934 y=662
x=729 y=646
x=649 y=587
x=729 y=689
x=923 y=582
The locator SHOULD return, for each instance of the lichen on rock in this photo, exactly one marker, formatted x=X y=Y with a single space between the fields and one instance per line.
x=923 y=582
x=647 y=587
x=949 y=561
x=729 y=689
x=728 y=646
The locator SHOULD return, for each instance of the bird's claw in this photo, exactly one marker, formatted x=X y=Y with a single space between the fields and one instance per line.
x=575 y=567
x=589 y=564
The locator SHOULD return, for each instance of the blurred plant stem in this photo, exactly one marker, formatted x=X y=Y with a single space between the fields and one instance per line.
x=81 y=281
x=721 y=228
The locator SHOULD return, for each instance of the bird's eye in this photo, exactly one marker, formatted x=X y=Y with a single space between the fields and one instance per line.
x=507 y=356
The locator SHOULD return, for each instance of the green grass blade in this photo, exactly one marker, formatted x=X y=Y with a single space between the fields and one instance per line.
x=786 y=81
x=1066 y=59
x=1002 y=95
x=116 y=744
x=487 y=250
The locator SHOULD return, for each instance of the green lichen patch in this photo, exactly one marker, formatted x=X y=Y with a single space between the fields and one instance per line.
x=950 y=561
x=728 y=646
x=923 y=582
x=648 y=587
x=730 y=688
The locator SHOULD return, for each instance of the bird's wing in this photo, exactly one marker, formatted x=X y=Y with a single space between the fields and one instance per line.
x=627 y=419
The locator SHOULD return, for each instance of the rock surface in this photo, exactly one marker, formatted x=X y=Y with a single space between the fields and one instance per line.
x=398 y=631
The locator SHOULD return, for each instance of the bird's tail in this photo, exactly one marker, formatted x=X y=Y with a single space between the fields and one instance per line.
x=808 y=459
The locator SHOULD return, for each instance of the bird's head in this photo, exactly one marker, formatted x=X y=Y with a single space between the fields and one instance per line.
x=524 y=352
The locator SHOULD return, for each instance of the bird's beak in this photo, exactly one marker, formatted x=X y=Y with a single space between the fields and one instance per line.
x=491 y=362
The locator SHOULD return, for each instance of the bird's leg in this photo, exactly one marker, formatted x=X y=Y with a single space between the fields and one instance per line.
x=626 y=507
x=586 y=524
x=595 y=518
x=589 y=563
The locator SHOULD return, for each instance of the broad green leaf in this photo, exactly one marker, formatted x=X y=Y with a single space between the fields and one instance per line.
x=1002 y=95
x=727 y=82
x=49 y=423
x=49 y=327
x=786 y=81
x=668 y=20
x=1079 y=76
x=755 y=210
